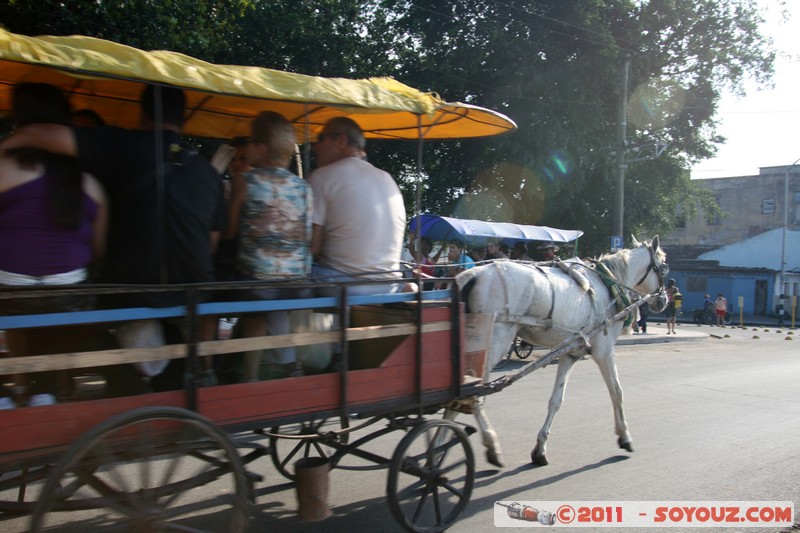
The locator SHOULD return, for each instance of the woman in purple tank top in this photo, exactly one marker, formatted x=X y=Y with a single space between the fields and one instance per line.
x=53 y=222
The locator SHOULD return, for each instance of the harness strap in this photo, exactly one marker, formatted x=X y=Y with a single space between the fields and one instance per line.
x=526 y=320
x=620 y=297
x=650 y=267
x=549 y=316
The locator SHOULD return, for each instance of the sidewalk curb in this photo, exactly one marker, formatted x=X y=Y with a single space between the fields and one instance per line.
x=660 y=336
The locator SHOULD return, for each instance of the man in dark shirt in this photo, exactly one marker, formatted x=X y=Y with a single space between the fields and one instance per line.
x=166 y=204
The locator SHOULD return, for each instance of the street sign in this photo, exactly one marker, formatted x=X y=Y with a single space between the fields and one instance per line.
x=616 y=243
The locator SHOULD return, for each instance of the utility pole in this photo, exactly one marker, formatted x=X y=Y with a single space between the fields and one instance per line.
x=622 y=132
x=781 y=293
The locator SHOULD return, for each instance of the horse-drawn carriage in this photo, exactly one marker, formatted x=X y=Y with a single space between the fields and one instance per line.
x=476 y=234
x=179 y=458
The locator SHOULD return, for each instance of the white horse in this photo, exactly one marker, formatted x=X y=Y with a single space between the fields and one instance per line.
x=548 y=303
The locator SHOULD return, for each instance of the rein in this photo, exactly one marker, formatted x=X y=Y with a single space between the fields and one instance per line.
x=661 y=270
x=617 y=291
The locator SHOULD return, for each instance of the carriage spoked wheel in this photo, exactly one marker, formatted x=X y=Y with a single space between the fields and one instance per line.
x=285 y=451
x=505 y=358
x=522 y=348
x=431 y=476
x=150 y=469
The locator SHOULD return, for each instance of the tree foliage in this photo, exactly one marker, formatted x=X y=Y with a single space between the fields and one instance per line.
x=553 y=66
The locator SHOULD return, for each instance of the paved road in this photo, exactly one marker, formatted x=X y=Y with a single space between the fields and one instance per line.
x=713 y=419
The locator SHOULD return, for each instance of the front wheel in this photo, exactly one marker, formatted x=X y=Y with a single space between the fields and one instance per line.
x=150 y=469
x=728 y=318
x=292 y=447
x=431 y=475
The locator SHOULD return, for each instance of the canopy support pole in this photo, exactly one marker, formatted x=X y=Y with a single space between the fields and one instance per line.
x=306 y=143
x=161 y=211
x=418 y=197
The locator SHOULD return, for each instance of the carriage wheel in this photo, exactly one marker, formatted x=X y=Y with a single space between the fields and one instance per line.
x=505 y=358
x=150 y=469
x=523 y=349
x=286 y=451
x=431 y=476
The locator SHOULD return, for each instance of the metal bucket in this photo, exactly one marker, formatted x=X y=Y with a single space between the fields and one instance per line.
x=312 y=487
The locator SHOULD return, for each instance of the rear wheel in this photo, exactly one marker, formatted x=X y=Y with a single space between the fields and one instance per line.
x=151 y=469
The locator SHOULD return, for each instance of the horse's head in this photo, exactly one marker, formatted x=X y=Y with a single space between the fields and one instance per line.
x=654 y=274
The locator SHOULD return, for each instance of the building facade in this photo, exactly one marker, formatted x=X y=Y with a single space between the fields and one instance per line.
x=753 y=241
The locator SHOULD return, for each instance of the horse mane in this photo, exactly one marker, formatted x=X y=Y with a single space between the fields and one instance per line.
x=616 y=261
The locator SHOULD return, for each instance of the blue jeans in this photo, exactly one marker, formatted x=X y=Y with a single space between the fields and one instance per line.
x=323 y=274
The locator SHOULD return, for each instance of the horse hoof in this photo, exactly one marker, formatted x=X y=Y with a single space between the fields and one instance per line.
x=626 y=445
x=495 y=458
x=538 y=458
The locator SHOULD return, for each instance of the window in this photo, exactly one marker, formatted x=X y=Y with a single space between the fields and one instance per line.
x=713 y=219
x=795 y=213
x=767 y=206
x=696 y=284
x=680 y=217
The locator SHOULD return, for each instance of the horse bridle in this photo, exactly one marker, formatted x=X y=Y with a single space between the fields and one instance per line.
x=661 y=270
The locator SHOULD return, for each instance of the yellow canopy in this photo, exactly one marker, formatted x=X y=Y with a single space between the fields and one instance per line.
x=222 y=99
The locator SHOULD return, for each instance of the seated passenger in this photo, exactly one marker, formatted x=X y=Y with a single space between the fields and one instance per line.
x=425 y=263
x=458 y=258
x=54 y=219
x=548 y=251
x=359 y=215
x=147 y=244
x=493 y=251
x=520 y=252
x=270 y=210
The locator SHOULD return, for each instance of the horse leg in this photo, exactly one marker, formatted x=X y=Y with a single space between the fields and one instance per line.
x=565 y=364
x=608 y=369
x=489 y=436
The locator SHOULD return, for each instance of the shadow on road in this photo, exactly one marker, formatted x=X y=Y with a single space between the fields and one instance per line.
x=479 y=504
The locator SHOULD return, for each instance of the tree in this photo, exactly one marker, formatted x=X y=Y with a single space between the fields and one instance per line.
x=552 y=66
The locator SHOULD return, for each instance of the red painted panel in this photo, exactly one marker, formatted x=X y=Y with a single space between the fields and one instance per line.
x=57 y=425
x=29 y=429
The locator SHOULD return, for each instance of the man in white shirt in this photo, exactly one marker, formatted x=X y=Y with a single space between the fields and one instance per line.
x=359 y=216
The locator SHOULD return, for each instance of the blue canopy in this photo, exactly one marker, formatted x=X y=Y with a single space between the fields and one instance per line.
x=478 y=232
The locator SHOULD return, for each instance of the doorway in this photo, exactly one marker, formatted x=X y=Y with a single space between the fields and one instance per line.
x=760 y=300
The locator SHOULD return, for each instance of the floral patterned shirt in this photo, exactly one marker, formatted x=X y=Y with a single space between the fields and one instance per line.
x=275 y=225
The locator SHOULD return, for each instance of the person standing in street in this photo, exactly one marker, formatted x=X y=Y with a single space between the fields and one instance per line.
x=670 y=311
x=721 y=308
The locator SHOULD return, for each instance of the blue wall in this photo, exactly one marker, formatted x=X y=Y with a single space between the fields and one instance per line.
x=731 y=284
